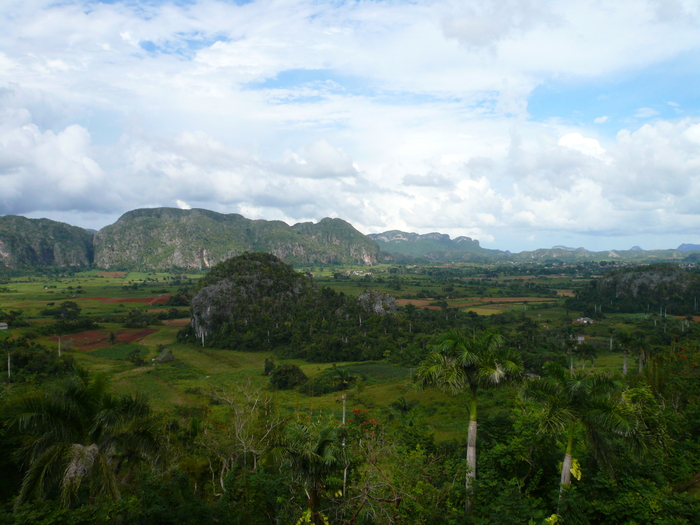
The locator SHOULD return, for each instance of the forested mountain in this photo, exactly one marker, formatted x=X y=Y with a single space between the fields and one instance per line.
x=653 y=288
x=170 y=237
x=43 y=242
x=255 y=299
x=162 y=238
x=432 y=246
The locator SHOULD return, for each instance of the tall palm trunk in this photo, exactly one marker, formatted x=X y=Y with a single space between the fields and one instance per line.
x=565 y=482
x=471 y=450
x=624 y=363
x=315 y=506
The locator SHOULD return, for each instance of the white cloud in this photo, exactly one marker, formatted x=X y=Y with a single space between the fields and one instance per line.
x=183 y=205
x=391 y=115
x=645 y=113
x=585 y=145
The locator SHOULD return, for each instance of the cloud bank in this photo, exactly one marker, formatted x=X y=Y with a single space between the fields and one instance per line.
x=518 y=123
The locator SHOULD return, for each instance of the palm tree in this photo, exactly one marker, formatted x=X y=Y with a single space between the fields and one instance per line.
x=586 y=352
x=76 y=431
x=342 y=377
x=624 y=341
x=313 y=454
x=462 y=363
x=641 y=346
x=571 y=402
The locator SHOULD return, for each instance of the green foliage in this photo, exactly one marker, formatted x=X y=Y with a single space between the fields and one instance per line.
x=287 y=376
x=652 y=288
x=32 y=362
x=121 y=351
x=75 y=431
x=269 y=366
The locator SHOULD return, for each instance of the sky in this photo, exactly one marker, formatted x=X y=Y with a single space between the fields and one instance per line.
x=521 y=123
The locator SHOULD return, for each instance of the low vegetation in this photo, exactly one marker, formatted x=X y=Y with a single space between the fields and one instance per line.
x=350 y=395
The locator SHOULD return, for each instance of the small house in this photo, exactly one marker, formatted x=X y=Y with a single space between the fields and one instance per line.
x=3 y=326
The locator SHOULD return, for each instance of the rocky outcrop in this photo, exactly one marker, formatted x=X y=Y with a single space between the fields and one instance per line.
x=43 y=242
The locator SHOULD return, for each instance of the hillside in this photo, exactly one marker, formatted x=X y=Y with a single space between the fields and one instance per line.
x=170 y=237
x=255 y=301
x=432 y=246
x=652 y=288
x=43 y=242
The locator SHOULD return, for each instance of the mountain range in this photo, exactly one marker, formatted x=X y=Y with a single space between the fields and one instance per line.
x=162 y=238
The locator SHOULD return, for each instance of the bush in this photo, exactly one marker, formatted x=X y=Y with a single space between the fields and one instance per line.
x=286 y=377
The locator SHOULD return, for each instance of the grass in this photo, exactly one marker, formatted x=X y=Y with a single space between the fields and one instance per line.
x=187 y=383
x=120 y=352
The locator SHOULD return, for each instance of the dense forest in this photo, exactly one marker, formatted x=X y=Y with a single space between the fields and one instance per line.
x=541 y=429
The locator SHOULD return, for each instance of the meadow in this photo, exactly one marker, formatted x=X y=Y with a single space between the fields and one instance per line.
x=106 y=297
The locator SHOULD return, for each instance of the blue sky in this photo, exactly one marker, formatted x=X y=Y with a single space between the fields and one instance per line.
x=521 y=124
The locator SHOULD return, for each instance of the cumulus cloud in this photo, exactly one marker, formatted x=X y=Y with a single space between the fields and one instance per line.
x=318 y=160
x=482 y=24
x=585 y=145
x=47 y=170
x=391 y=115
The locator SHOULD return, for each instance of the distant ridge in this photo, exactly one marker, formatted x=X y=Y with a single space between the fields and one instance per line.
x=430 y=246
x=689 y=247
x=163 y=238
x=43 y=242
x=197 y=238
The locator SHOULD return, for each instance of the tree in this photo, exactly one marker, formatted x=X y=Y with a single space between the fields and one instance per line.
x=462 y=363
x=68 y=310
x=586 y=352
x=313 y=454
x=76 y=431
x=287 y=376
x=641 y=346
x=573 y=402
x=342 y=377
x=625 y=341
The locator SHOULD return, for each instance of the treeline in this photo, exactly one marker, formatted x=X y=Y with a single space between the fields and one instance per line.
x=659 y=288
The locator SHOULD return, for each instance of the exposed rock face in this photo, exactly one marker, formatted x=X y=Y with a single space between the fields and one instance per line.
x=662 y=280
x=170 y=237
x=376 y=302
x=43 y=242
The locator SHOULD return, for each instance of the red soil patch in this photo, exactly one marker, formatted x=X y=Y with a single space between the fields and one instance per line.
x=176 y=322
x=146 y=300
x=94 y=339
x=112 y=274
x=696 y=318
x=425 y=303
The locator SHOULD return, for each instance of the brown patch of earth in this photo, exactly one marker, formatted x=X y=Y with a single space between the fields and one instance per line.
x=696 y=318
x=146 y=300
x=112 y=274
x=425 y=303
x=94 y=339
x=176 y=322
